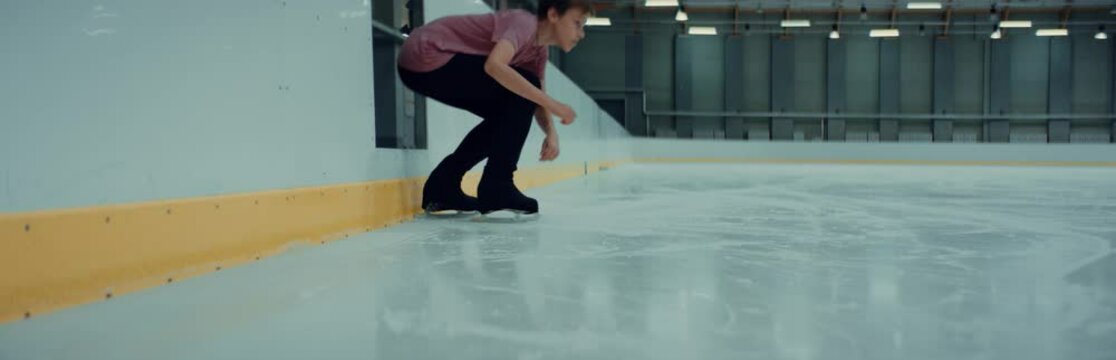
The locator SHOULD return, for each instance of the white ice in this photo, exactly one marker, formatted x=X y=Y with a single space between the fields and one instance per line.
x=666 y=262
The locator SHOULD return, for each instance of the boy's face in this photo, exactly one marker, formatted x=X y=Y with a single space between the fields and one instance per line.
x=569 y=27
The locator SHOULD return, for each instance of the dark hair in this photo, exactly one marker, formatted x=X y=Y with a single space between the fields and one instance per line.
x=561 y=6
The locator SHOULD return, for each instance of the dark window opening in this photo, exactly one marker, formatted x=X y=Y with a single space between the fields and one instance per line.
x=400 y=114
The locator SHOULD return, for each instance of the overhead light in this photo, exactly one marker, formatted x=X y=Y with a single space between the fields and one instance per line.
x=795 y=23
x=703 y=30
x=661 y=3
x=596 y=21
x=834 y=34
x=924 y=5
x=1101 y=35
x=996 y=35
x=883 y=33
x=1015 y=24
x=1052 y=32
x=681 y=16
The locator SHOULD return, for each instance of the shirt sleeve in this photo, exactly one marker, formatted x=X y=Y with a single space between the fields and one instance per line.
x=515 y=29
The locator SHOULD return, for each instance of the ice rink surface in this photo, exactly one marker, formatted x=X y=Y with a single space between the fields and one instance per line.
x=720 y=261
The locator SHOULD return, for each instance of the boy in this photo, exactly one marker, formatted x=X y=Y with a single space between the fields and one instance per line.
x=492 y=65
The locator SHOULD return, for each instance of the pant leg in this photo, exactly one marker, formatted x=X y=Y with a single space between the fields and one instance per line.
x=464 y=84
x=506 y=138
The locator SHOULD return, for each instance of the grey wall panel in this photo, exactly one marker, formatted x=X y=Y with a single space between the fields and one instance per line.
x=708 y=79
x=943 y=89
x=684 y=83
x=889 y=88
x=862 y=91
x=835 y=86
x=757 y=73
x=658 y=70
x=809 y=73
x=734 y=85
x=782 y=86
x=943 y=79
x=1060 y=76
x=598 y=61
x=836 y=69
x=757 y=84
x=999 y=87
x=1058 y=131
x=1061 y=89
x=810 y=88
x=1091 y=76
x=634 y=119
x=968 y=75
x=1029 y=81
x=916 y=61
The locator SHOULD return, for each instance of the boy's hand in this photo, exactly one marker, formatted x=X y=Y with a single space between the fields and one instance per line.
x=549 y=148
x=563 y=111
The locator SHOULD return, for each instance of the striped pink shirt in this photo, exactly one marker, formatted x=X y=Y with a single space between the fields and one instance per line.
x=432 y=45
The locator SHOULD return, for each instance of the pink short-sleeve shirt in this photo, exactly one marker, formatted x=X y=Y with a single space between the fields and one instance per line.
x=432 y=45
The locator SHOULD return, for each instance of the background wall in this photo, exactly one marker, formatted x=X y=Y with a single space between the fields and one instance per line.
x=121 y=101
x=964 y=73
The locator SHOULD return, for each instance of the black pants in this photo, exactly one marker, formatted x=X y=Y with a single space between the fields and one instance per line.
x=463 y=83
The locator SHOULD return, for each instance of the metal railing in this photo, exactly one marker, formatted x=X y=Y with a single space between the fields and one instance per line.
x=376 y=25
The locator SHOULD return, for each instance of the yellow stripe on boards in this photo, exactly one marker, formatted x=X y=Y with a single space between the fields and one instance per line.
x=60 y=258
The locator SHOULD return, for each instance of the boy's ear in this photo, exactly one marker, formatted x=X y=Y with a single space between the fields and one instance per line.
x=553 y=15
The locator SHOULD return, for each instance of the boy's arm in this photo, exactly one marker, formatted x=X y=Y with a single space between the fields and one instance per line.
x=542 y=116
x=497 y=67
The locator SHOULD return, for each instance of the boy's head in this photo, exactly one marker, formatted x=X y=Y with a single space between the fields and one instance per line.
x=568 y=19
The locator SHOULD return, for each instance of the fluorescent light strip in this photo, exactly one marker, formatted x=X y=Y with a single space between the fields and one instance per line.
x=924 y=6
x=661 y=3
x=883 y=33
x=596 y=21
x=1052 y=32
x=703 y=30
x=795 y=23
x=1015 y=24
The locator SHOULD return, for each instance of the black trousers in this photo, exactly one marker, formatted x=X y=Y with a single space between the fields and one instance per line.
x=463 y=83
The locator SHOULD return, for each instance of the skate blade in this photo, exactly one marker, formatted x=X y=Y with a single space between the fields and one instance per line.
x=449 y=214
x=507 y=215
